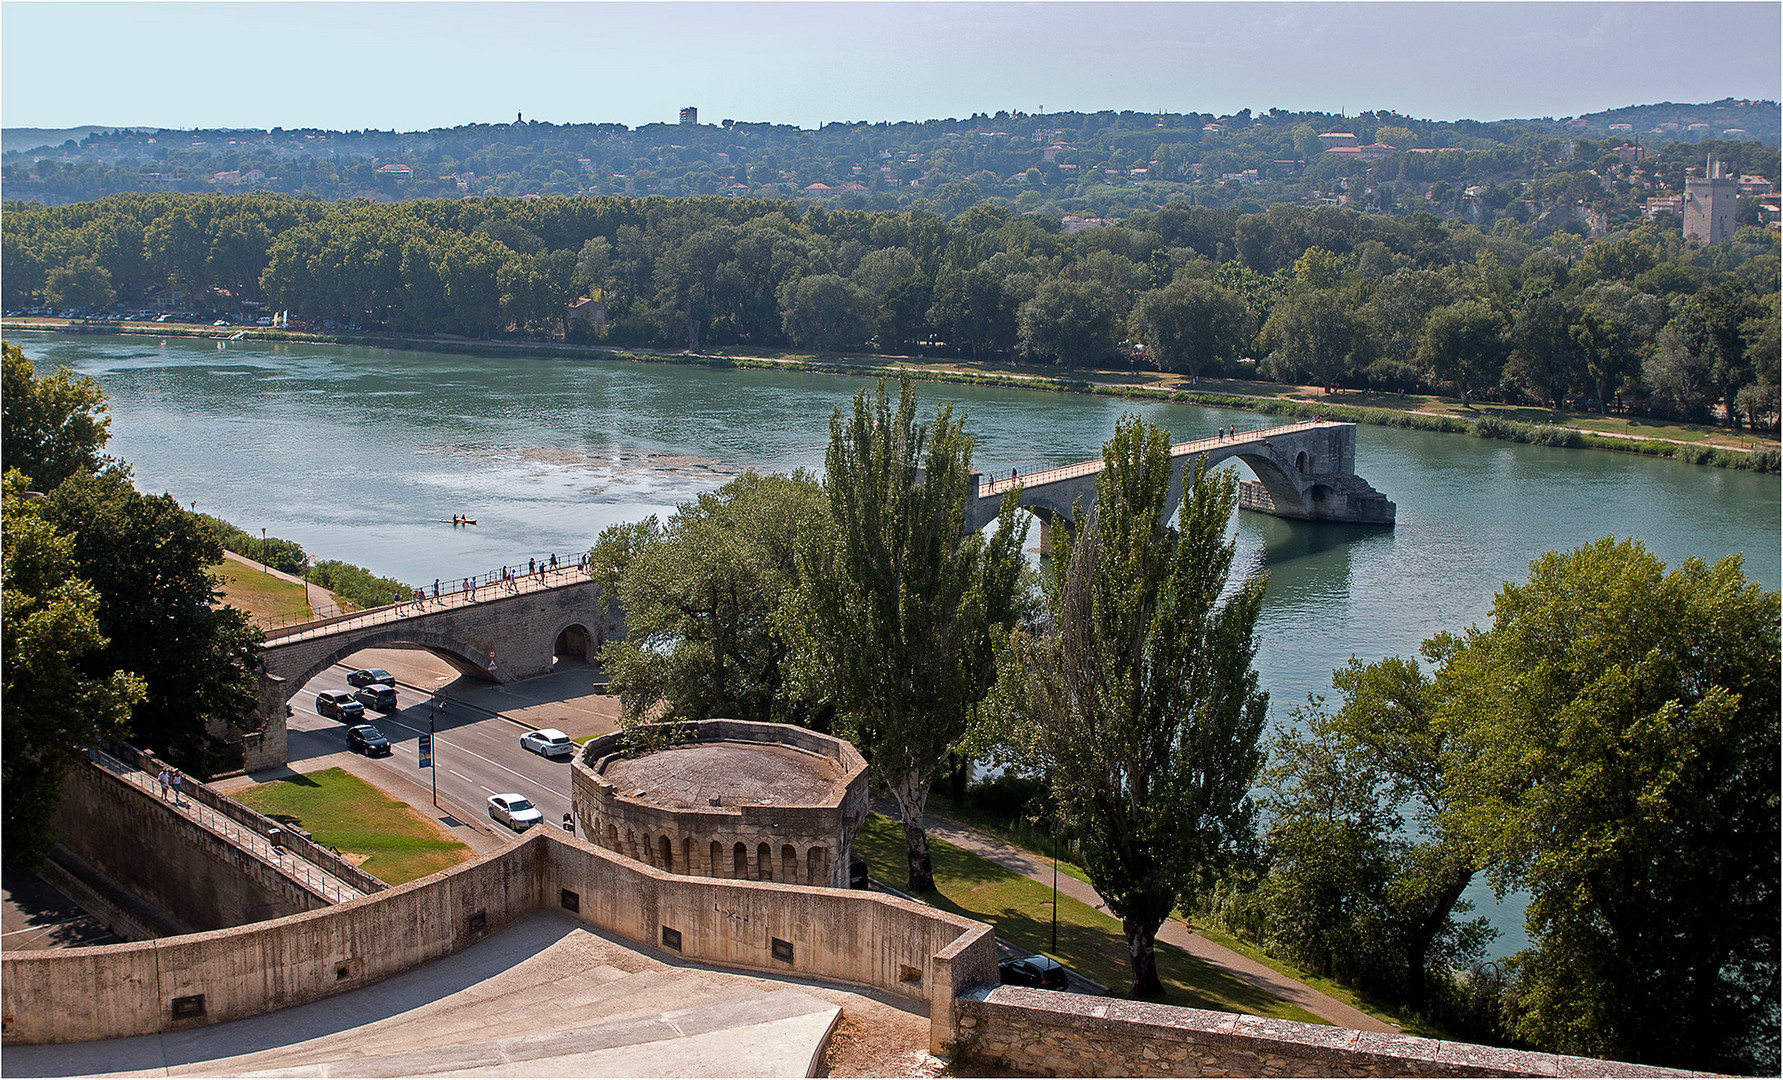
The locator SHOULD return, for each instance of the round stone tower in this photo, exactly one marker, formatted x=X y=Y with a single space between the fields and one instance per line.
x=725 y=799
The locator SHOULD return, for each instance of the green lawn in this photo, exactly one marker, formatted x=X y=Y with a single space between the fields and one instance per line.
x=349 y=815
x=1089 y=941
x=268 y=600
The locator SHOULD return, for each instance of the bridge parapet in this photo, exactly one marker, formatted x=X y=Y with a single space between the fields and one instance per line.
x=1304 y=470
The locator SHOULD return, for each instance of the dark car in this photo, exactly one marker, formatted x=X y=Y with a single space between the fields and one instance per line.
x=339 y=705
x=367 y=676
x=1041 y=971
x=379 y=696
x=368 y=740
x=858 y=877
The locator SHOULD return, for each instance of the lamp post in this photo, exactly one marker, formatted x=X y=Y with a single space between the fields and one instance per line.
x=264 y=568
x=1055 y=888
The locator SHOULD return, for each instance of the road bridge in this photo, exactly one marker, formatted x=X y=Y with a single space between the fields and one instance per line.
x=1305 y=470
x=514 y=627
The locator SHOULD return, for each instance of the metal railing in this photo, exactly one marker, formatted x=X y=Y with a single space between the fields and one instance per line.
x=457 y=592
x=317 y=869
x=997 y=485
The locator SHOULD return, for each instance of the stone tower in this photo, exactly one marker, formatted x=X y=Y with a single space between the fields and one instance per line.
x=1711 y=203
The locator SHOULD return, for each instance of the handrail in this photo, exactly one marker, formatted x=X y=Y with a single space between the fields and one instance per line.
x=322 y=871
x=459 y=592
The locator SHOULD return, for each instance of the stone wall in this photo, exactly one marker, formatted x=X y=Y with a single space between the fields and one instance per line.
x=172 y=863
x=864 y=939
x=1047 y=1033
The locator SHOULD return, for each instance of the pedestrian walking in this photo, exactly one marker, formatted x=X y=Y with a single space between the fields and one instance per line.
x=554 y=560
x=165 y=779
x=436 y=588
x=530 y=567
x=176 y=785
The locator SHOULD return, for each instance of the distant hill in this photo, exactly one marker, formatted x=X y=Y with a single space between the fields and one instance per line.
x=25 y=138
x=1729 y=118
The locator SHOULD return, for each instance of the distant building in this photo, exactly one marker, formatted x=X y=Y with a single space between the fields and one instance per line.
x=1331 y=139
x=395 y=171
x=1626 y=152
x=1754 y=186
x=1662 y=204
x=1375 y=151
x=1711 y=202
x=690 y=116
x=589 y=310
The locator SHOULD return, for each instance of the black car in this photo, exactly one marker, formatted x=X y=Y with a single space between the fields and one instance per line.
x=1041 y=971
x=379 y=696
x=339 y=705
x=368 y=740
x=367 y=676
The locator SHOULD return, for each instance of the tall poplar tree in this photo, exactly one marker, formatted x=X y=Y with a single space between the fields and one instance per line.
x=1140 y=702
x=902 y=608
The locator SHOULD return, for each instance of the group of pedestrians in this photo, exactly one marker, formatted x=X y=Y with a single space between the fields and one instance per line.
x=508 y=577
x=171 y=779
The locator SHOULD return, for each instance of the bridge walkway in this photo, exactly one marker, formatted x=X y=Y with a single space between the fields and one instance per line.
x=292 y=864
x=452 y=595
x=995 y=487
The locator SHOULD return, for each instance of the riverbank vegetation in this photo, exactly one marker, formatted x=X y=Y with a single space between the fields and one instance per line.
x=1630 y=323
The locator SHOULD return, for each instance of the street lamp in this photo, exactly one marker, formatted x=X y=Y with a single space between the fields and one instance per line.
x=263 y=565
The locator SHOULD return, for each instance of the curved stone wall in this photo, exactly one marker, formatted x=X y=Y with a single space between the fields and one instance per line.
x=733 y=834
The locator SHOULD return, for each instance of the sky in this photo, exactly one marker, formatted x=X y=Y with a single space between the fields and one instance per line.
x=419 y=65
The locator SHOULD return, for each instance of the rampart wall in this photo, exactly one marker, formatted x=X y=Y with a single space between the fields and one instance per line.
x=167 y=859
x=866 y=939
x=1045 y=1033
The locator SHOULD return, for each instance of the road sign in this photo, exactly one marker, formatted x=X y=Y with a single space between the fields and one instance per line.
x=426 y=749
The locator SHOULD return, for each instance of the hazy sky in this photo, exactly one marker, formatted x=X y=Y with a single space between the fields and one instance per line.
x=420 y=65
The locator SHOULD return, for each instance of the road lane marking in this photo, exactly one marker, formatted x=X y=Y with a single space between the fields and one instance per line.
x=460 y=746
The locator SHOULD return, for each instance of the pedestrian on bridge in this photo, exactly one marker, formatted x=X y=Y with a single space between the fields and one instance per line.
x=165 y=778
x=530 y=567
x=177 y=777
x=436 y=588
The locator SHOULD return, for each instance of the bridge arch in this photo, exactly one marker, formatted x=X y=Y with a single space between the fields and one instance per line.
x=576 y=640
x=466 y=659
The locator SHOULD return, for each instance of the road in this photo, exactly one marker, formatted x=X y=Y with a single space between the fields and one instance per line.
x=476 y=750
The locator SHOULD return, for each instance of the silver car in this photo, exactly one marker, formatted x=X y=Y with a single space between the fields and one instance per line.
x=514 y=811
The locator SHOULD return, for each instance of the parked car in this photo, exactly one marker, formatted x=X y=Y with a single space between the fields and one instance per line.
x=368 y=740
x=548 y=742
x=514 y=811
x=858 y=876
x=339 y=705
x=367 y=676
x=1041 y=971
x=379 y=696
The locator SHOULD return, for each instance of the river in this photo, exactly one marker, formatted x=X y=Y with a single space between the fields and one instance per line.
x=358 y=454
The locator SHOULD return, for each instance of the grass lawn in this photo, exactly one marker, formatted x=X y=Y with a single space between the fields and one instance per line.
x=1089 y=941
x=269 y=601
x=349 y=815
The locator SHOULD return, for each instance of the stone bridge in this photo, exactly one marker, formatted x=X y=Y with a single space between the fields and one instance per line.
x=1305 y=470
x=499 y=632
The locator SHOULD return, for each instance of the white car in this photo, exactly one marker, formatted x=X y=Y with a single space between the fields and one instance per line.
x=514 y=811
x=549 y=742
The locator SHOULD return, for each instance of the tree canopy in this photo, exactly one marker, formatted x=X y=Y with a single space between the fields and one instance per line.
x=1140 y=705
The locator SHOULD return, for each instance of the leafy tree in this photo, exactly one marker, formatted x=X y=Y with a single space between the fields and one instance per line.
x=1544 y=361
x=1315 y=334
x=79 y=283
x=824 y=312
x=54 y=704
x=1464 y=343
x=1141 y=704
x=900 y=608
x=700 y=598
x=1367 y=862
x=54 y=427
x=1191 y=324
x=148 y=559
x=1618 y=759
x=1069 y=322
